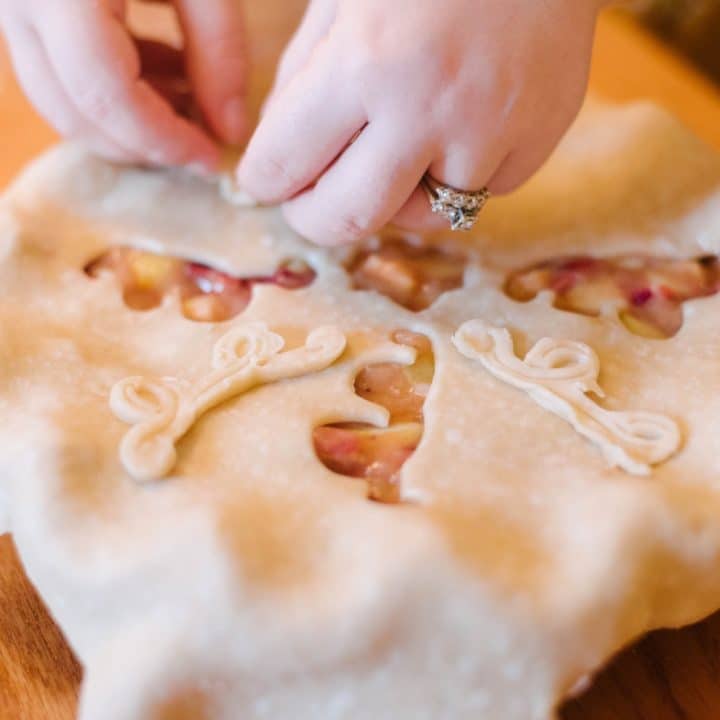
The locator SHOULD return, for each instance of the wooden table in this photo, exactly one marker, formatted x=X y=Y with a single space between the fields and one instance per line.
x=671 y=675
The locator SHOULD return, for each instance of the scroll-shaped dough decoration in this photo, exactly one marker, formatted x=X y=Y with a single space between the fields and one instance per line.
x=162 y=411
x=557 y=374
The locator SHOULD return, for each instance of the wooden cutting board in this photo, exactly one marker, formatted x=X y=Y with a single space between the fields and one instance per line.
x=671 y=675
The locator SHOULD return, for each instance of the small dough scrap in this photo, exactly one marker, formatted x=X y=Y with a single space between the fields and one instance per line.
x=231 y=192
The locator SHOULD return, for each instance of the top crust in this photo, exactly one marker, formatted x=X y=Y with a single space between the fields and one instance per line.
x=258 y=583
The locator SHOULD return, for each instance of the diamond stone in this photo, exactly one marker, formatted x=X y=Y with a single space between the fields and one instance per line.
x=460 y=208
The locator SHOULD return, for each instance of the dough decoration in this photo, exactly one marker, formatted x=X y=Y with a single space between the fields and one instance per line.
x=206 y=293
x=649 y=291
x=162 y=411
x=378 y=454
x=410 y=274
x=558 y=374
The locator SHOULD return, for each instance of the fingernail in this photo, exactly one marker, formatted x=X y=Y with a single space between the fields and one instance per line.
x=234 y=121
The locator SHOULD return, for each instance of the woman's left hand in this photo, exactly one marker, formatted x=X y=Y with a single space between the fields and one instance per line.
x=372 y=94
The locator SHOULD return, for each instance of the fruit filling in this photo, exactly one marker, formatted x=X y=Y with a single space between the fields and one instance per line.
x=648 y=291
x=411 y=275
x=206 y=294
x=377 y=454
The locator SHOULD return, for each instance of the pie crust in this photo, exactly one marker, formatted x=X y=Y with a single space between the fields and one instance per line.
x=558 y=375
x=163 y=411
x=255 y=582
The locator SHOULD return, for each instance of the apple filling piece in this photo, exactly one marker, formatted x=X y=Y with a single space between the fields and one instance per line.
x=648 y=291
x=377 y=455
x=206 y=294
x=410 y=274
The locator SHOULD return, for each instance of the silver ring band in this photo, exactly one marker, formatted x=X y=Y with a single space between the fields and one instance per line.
x=460 y=207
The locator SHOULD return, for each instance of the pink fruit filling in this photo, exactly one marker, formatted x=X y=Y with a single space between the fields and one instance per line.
x=377 y=455
x=206 y=294
x=411 y=275
x=210 y=295
x=648 y=291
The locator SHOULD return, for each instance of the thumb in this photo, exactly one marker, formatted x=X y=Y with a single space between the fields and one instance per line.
x=215 y=47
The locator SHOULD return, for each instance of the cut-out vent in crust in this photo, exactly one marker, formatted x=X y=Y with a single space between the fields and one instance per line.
x=410 y=274
x=648 y=291
x=375 y=454
x=206 y=294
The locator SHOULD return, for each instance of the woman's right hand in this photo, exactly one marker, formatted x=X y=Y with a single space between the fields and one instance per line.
x=85 y=73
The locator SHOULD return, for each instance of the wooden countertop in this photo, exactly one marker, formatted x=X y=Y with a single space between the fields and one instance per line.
x=671 y=675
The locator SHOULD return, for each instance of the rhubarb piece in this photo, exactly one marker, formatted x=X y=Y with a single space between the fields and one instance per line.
x=206 y=293
x=412 y=275
x=377 y=455
x=647 y=291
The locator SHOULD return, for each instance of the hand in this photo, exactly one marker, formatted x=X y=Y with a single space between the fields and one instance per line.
x=87 y=75
x=371 y=94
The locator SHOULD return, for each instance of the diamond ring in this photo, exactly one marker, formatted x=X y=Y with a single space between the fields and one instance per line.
x=461 y=208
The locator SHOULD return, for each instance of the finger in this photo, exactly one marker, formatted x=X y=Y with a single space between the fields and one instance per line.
x=304 y=130
x=99 y=69
x=47 y=95
x=217 y=63
x=521 y=164
x=364 y=189
x=516 y=170
x=468 y=161
x=465 y=165
x=416 y=214
x=314 y=26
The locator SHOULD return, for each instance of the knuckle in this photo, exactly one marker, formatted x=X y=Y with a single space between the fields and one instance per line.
x=272 y=177
x=345 y=229
x=361 y=64
x=276 y=169
x=98 y=104
x=349 y=228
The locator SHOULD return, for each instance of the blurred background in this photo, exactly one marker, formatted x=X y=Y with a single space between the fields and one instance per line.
x=692 y=26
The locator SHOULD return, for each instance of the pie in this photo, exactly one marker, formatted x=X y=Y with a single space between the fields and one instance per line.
x=424 y=477
x=649 y=290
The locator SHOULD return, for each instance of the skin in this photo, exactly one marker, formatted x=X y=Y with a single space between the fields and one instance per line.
x=93 y=81
x=369 y=96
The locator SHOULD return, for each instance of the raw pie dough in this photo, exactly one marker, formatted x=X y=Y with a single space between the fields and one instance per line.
x=559 y=375
x=254 y=582
x=162 y=411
